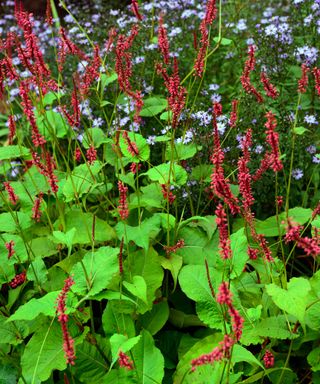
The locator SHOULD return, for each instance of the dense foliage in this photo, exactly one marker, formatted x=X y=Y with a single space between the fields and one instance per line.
x=159 y=211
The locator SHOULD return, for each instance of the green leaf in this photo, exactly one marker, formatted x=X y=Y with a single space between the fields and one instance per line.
x=194 y=283
x=300 y=130
x=37 y=271
x=202 y=173
x=160 y=173
x=115 y=321
x=241 y=354
x=83 y=223
x=95 y=271
x=90 y=365
x=107 y=79
x=148 y=360
x=50 y=97
x=223 y=41
x=147 y=265
x=141 y=143
x=121 y=343
x=8 y=374
x=154 y=320
x=94 y=136
x=138 y=288
x=65 y=238
x=43 y=353
x=181 y=151
x=153 y=106
x=167 y=116
x=239 y=248
x=314 y=359
x=13 y=151
x=81 y=181
x=294 y=300
x=141 y=235
x=45 y=305
x=52 y=125
x=173 y=263
x=14 y=222
x=13 y=334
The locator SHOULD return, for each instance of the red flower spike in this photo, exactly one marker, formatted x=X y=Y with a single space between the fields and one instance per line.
x=273 y=141
x=303 y=82
x=77 y=155
x=18 y=280
x=10 y=248
x=270 y=89
x=253 y=253
x=163 y=41
x=135 y=9
x=123 y=204
x=68 y=342
x=49 y=19
x=132 y=146
x=11 y=194
x=167 y=194
x=316 y=74
x=91 y=154
x=268 y=359
x=309 y=245
x=233 y=114
x=224 y=240
x=174 y=248
x=36 y=215
x=124 y=361
x=12 y=129
x=224 y=296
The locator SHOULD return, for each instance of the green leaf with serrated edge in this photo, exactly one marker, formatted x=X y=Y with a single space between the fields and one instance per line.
x=115 y=321
x=274 y=327
x=141 y=143
x=141 y=235
x=194 y=283
x=173 y=263
x=95 y=271
x=201 y=347
x=147 y=265
x=81 y=180
x=121 y=343
x=292 y=300
x=14 y=151
x=65 y=238
x=181 y=151
x=43 y=353
x=13 y=333
x=45 y=305
x=148 y=360
x=154 y=320
x=43 y=246
x=83 y=222
x=95 y=137
x=138 y=288
x=91 y=366
x=160 y=173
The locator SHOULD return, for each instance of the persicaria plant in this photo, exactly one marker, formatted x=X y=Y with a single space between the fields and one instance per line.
x=159 y=210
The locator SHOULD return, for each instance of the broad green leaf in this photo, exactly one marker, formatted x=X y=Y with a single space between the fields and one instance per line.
x=151 y=197
x=43 y=353
x=166 y=116
x=81 y=181
x=52 y=125
x=94 y=136
x=161 y=173
x=241 y=354
x=292 y=300
x=12 y=333
x=83 y=223
x=314 y=359
x=115 y=321
x=154 y=320
x=8 y=374
x=201 y=347
x=148 y=360
x=65 y=238
x=14 y=222
x=173 y=263
x=107 y=79
x=45 y=305
x=50 y=97
x=153 y=106
x=239 y=248
x=95 y=271
x=223 y=41
x=13 y=151
x=147 y=265
x=141 y=143
x=121 y=343
x=138 y=288
x=194 y=283
x=37 y=271
x=141 y=235
x=181 y=151
x=202 y=173
x=182 y=320
x=90 y=365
